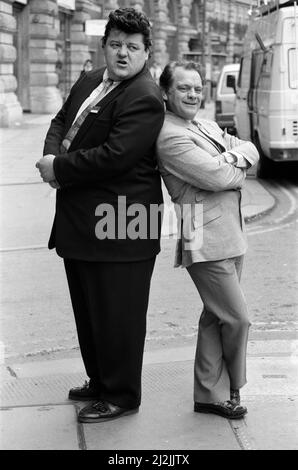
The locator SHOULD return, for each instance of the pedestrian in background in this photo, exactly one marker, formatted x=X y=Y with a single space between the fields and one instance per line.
x=204 y=169
x=155 y=71
x=99 y=149
x=87 y=67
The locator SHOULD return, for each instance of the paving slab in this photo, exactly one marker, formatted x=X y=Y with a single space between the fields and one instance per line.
x=39 y=428
x=167 y=421
x=272 y=423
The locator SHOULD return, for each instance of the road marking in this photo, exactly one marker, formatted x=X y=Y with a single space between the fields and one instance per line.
x=21 y=183
x=23 y=248
x=292 y=209
x=293 y=205
x=272 y=229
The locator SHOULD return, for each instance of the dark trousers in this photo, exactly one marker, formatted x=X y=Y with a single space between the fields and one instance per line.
x=110 y=302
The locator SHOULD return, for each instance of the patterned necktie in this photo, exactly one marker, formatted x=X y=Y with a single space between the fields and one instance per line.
x=73 y=130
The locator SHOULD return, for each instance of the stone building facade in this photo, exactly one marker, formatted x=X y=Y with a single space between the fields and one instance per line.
x=43 y=43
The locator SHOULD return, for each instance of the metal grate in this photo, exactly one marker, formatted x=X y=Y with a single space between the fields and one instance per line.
x=53 y=389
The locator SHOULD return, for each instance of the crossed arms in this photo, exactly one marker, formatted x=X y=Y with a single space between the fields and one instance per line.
x=188 y=157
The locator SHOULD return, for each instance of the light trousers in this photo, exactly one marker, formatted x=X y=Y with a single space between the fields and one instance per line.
x=220 y=360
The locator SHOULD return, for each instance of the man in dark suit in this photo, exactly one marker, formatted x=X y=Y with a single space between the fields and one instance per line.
x=100 y=155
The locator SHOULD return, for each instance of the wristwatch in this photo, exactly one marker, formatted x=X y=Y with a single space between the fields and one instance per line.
x=230 y=158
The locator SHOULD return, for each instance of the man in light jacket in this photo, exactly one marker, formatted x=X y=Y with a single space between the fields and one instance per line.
x=204 y=169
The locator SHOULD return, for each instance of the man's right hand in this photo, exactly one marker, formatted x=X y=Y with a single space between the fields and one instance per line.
x=54 y=184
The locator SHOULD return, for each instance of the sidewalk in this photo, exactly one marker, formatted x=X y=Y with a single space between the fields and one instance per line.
x=35 y=413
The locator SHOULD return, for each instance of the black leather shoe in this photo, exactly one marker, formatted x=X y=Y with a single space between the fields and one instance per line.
x=103 y=411
x=226 y=409
x=85 y=393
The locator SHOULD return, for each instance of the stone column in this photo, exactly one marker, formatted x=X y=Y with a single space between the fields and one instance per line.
x=44 y=95
x=184 y=27
x=79 y=40
x=137 y=4
x=161 y=20
x=110 y=5
x=231 y=34
x=10 y=108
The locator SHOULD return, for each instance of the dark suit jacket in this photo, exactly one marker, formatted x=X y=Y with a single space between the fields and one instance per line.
x=113 y=154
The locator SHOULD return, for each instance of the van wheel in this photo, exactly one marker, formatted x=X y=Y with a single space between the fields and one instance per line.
x=265 y=167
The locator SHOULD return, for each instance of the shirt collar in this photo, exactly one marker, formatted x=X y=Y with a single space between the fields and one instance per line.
x=106 y=76
x=176 y=117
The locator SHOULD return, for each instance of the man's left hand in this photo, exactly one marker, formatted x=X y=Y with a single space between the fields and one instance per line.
x=45 y=166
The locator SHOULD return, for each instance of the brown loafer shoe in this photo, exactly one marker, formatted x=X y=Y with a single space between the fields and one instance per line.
x=85 y=393
x=101 y=411
x=225 y=409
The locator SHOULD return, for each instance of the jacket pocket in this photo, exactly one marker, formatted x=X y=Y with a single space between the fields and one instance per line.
x=203 y=216
x=200 y=196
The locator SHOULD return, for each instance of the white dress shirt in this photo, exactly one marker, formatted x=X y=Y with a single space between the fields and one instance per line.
x=96 y=92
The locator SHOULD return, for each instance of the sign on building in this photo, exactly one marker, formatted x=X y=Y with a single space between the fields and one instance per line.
x=69 y=4
x=95 y=27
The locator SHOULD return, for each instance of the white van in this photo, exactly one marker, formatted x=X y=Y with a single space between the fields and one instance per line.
x=225 y=97
x=266 y=109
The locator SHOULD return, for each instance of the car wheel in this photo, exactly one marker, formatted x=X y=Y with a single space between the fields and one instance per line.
x=266 y=167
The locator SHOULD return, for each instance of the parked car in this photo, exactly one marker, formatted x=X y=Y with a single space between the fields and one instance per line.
x=225 y=96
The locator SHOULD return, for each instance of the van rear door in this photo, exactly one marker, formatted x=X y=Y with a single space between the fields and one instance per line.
x=242 y=114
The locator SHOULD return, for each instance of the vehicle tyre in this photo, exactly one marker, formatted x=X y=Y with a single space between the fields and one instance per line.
x=265 y=167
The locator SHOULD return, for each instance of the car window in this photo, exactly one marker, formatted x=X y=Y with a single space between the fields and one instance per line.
x=224 y=89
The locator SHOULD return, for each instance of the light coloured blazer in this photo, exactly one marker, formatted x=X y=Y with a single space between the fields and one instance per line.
x=205 y=187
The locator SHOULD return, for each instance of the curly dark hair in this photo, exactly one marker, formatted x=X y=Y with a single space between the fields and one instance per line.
x=166 y=78
x=130 y=21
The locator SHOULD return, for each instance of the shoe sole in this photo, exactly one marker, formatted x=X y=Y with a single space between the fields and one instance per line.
x=219 y=413
x=101 y=420
x=84 y=398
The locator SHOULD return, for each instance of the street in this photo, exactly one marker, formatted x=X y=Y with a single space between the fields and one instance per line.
x=36 y=314
x=39 y=355
x=226 y=74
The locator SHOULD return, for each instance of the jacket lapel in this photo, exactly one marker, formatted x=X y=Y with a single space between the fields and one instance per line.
x=116 y=91
x=98 y=108
x=88 y=84
x=215 y=139
x=95 y=79
x=108 y=98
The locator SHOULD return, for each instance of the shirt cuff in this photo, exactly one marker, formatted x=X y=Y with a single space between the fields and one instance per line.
x=236 y=159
